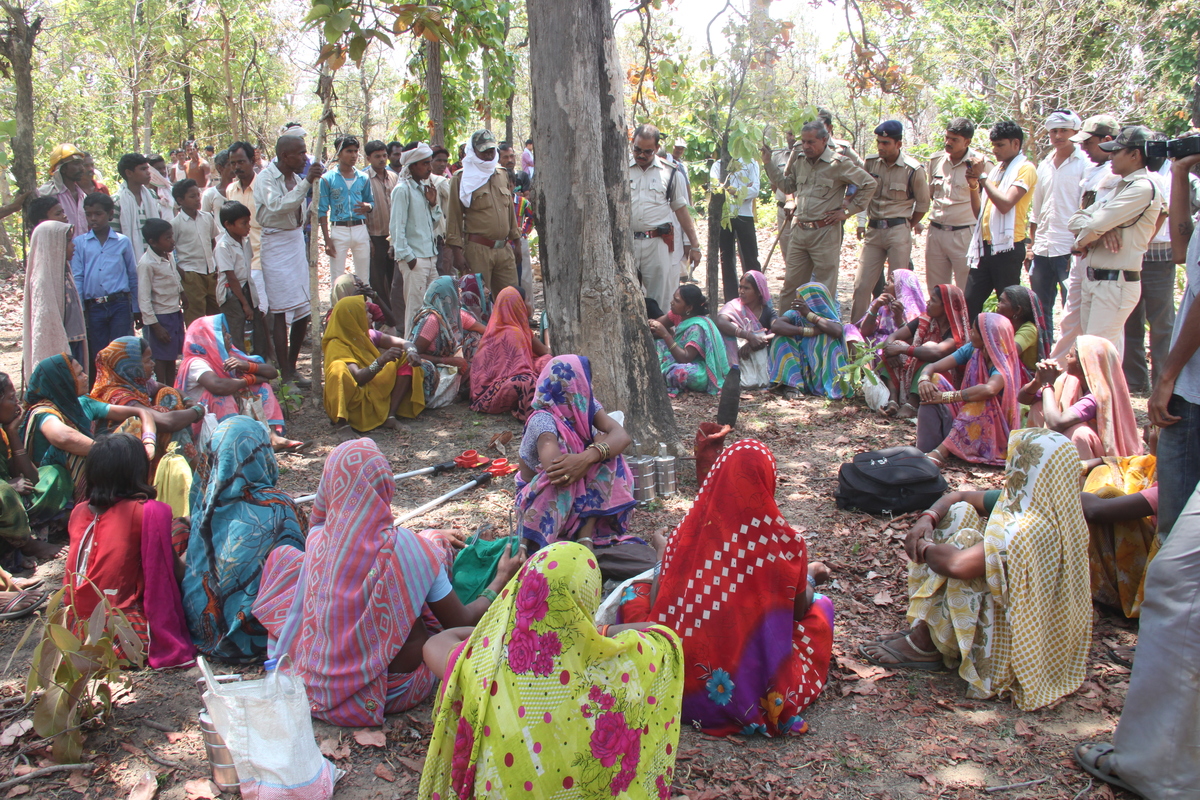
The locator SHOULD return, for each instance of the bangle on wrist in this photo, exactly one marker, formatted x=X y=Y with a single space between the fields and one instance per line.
x=18 y=453
x=489 y=594
x=604 y=630
x=912 y=349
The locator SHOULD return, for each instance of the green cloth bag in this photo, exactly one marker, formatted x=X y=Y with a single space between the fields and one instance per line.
x=475 y=565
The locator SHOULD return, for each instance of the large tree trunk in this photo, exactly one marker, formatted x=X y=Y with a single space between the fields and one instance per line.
x=16 y=47
x=593 y=298
x=433 y=86
x=1196 y=94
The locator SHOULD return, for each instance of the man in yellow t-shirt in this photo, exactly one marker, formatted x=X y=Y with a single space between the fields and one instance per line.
x=1002 y=230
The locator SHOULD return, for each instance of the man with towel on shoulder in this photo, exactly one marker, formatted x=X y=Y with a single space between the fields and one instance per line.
x=414 y=217
x=482 y=220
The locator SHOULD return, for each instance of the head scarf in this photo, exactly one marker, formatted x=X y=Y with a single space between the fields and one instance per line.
x=419 y=153
x=1115 y=423
x=506 y=349
x=545 y=511
x=441 y=301
x=476 y=298
x=475 y=173
x=53 y=312
x=52 y=390
x=205 y=341
x=539 y=702
x=812 y=364
x=742 y=316
x=343 y=286
x=908 y=292
x=293 y=130
x=932 y=331
x=1027 y=297
x=61 y=153
x=1063 y=118
x=981 y=428
x=238 y=518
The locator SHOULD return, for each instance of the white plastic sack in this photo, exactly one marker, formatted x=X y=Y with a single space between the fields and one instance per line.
x=876 y=394
x=267 y=726
x=606 y=613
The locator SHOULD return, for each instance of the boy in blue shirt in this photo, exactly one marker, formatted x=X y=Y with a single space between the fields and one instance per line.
x=105 y=273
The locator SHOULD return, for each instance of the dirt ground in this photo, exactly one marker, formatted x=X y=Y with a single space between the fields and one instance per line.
x=874 y=733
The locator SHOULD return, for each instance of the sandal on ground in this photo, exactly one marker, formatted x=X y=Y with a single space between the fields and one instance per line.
x=899 y=663
x=13 y=609
x=1122 y=656
x=291 y=446
x=1088 y=755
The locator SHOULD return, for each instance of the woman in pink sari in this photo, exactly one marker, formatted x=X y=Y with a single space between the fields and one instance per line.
x=506 y=365
x=901 y=302
x=745 y=324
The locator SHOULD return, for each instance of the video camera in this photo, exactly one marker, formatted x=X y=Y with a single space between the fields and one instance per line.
x=1173 y=148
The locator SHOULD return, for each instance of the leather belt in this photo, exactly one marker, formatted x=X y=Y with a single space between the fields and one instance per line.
x=951 y=228
x=781 y=203
x=1131 y=275
x=108 y=298
x=648 y=234
x=887 y=223
x=495 y=244
x=351 y=223
x=812 y=226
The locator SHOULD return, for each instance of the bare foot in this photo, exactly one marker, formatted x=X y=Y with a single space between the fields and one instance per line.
x=43 y=551
x=393 y=424
x=819 y=572
x=282 y=445
x=907 y=411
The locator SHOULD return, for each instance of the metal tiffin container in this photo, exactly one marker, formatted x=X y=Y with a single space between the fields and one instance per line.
x=642 y=469
x=224 y=773
x=664 y=472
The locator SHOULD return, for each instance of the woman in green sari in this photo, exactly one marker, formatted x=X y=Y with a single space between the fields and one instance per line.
x=29 y=497
x=694 y=357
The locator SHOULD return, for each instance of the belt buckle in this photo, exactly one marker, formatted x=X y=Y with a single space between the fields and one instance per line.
x=883 y=223
x=100 y=300
x=496 y=245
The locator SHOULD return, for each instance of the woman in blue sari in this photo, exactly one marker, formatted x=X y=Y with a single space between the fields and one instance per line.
x=809 y=351
x=694 y=357
x=238 y=518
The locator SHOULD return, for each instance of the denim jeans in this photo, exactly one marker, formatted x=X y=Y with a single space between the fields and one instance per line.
x=105 y=322
x=1178 y=462
x=1047 y=275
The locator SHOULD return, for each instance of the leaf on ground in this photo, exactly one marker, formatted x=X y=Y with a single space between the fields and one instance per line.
x=201 y=789
x=22 y=769
x=882 y=599
x=842 y=440
x=175 y=736
x=15 y=731
x=145 y=788
x=333 y=748
x=1022 y=729
x=370 y=738
x=17 y=791
x=869 y=672
x=416 y=765
x=78 y=782
x=929 y=779
x=384 y=772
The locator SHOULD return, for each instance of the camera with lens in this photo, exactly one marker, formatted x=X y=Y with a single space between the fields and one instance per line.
x=1184 y=146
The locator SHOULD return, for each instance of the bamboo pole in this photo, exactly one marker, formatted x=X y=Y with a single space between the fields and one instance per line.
x=325 y=92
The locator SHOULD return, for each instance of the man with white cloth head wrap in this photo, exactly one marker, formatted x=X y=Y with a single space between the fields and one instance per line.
x=481 y=220
x=415 y=213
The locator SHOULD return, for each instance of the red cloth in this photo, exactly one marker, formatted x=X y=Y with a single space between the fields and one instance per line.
x=503 y=370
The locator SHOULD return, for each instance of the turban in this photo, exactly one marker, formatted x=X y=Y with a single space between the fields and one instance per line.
x=419 y=153
x=1063 y=119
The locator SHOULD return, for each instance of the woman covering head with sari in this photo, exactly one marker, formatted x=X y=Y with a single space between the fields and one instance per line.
x=238 y=518
x=438 y=332
x=54 y=321
x=809 y=352
x=505 y=368
x=1031 y=332
x=539 y=703
x=935 y=334
x=1120 y=504
x=902 y=300
x=1007 y=595
x=692 y=358
x=735 y=583
x=745 y=322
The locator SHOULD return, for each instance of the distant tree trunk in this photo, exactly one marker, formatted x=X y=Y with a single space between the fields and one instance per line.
x=433 y=87
x=231 y=103
x=508 y=120
x=16 y=47
x=716 y=207
x=185 y=61
x=487 y=107
x=593 y=298
x=1196 y=95
x=148 y=102
x=366 y=115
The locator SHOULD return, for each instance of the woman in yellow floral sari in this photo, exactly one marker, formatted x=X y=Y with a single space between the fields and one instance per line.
x=1120 y=504
x=539 y=703
x=1008 y=596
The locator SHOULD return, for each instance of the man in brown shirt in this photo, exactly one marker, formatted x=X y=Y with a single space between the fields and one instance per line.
x=954 y=206
x=383 y=180
x=482 y=220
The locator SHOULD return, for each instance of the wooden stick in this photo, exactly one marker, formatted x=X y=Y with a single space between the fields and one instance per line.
x=38 y=773
x=787 y=221
x=1008 y=786
x=317 y=325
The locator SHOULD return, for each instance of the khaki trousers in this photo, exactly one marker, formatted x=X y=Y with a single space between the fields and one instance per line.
x=893 y=245
x=1105 y=305
x=813 y=255
x=201 y=293
x=495 y=264
x=946 y=257
x=784 y=226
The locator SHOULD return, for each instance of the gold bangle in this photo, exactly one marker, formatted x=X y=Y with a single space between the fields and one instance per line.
x=947 y=397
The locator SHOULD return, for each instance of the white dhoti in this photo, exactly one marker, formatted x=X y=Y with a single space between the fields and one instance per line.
x=285 y=271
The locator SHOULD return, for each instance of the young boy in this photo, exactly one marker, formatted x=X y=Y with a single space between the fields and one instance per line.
x=105 y=273
x=235 y=290
x=195 y=232
x=160 y=294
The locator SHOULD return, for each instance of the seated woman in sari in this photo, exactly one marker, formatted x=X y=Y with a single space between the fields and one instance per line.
x=974 y=420
x=573 y=483
x=1030 y=331
x=745 y=322
x=58 y=428
x=1007 y=594
x=227 y=382
x=536 y=702
x=370 y=379
x=238 y=518
x=476 y=302
x=902 y=301
x=437 y=332
x=121 y=551
x=347 y=285
x=506 y=365
x=692 y=358
x=937 y=333
x=808 y=351
x=1089 y=402
x=348 y=610
x=762 y=656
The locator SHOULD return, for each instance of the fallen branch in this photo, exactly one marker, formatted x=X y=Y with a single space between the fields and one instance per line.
x=156 y=725
x=1084 y=789
x=1008 y=786
x=38 y=773
x=162 y=762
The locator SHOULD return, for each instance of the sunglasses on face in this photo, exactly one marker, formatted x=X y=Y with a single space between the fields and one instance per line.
x=637 y=151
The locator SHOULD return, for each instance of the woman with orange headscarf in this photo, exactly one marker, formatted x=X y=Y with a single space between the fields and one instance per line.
x=504 y=369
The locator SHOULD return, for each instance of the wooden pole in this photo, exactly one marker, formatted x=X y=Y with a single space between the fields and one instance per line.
x=325 y=92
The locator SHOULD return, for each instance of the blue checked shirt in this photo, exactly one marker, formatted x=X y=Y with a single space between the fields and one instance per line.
x=339 y=196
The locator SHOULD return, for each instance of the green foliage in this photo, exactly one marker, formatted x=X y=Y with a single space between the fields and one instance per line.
x=850 y=378
x=290 y=398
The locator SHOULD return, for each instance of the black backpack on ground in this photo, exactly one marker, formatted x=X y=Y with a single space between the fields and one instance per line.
x=893 y=480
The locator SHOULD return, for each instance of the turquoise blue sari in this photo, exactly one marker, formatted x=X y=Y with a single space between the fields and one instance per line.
x=810 y=364
x=705 y=375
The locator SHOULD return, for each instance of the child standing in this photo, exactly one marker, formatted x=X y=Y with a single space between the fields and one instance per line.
x=195 y=233
x=105 y=273
x=235 y=290
x=160 y=293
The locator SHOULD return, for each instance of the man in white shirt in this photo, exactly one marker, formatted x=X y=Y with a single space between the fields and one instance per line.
x=414 y=215
x=213 y=197
x=136 y=202
x=1055 y=198
x=741 y=186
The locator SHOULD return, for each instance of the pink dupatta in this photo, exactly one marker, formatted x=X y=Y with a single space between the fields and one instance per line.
x=981 y=428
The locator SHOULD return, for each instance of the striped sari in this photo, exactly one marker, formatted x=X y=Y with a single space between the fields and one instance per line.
x=810 y=364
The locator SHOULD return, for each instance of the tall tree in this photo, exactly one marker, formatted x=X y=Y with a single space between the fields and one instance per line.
x=16 y=59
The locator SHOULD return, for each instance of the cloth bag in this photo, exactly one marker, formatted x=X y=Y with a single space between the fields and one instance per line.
x=475 y=565
x=267 y=726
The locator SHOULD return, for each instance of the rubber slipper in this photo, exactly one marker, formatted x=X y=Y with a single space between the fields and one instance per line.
x=1115 y=656
x=927 y=666
x=1089 y=760
x=293 y=446
x=9 y=612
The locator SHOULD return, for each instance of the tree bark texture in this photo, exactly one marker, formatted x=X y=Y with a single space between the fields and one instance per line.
x=433 y=86
x=593 y=298
x=16 y=47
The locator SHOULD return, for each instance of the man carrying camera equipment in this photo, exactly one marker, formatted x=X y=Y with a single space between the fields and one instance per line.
x=954 y=205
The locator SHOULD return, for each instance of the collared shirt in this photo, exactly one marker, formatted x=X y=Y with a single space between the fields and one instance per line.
x=194 y=241
x=413 y=222
x=902 y=191
x=71 y=201
x=1027 y=179
x=490 y=213
x=780 y=158
x=211 y=201
x=158 y=286
x=380 y=217
x=442 y=184
x=131 y=215
x=1134 y=208
x=233 y=256
x=1187 y=385
x=820 y=184
x=1055 y=198
x=742 y=186
x=648 y=191
x=275 y=205
x=104 y=268
x=234 y=191
x=339 y=195
x=845 y=148
x=950 y=196
x=527 y=160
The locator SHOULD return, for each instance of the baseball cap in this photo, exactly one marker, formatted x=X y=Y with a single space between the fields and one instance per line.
x=1131 y=136
x=1099 y=125
x=679 y=143
x=893 y=129
x=483 y=140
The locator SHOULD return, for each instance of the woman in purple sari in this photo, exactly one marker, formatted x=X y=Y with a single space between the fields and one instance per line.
x=900 y=302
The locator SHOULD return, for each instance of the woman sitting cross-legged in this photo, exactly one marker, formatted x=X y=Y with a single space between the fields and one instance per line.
x=348 y=610
x=937 y=333
x=438 y=331
x=370 y=377
x=1006 y=593
x=736 y=583
x=745 y=322
x=973 y=421
x=536 y=702
x=121 y=551
x=902 y=301
x=506 y=365
x=808 y=351
x=693 y=357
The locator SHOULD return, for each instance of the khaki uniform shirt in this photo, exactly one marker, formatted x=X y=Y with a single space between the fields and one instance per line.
x=648 y=194
x=780 y=158
x=820 y=185
x=903 y=188
x=846 y=149
x=948 y=190
x=1133 y=207
x=490 y=214
x=381 y=209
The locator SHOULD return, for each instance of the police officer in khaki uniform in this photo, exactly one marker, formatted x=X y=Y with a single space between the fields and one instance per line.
x=818 y=177
x=894 y=213
x=954 y=205
x=842 y=146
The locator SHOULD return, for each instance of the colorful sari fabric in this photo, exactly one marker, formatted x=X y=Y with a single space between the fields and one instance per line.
x=981 y=427
x=1120 y=552
x=343 y=608
x=1025 y=627
x=546 y=512
x=754 y=366
x=441 y=310
x=729 y=580
x=504 y=372
x=707 y=374
x=539 y=704
x=932 y=331
x=810 y=364
x=205 y=342
x=52 y=390
x=475 y=297
x=1045 y=333
x=121 y=381
x=1114 y=431
x=238 y=518
x=347 y=340
x=49 y=497
x=908 y=292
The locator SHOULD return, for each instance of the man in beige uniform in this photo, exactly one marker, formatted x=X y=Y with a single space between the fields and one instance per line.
x=482 y=220
x=954 y=206
x=895 y=211
x=818 y=177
